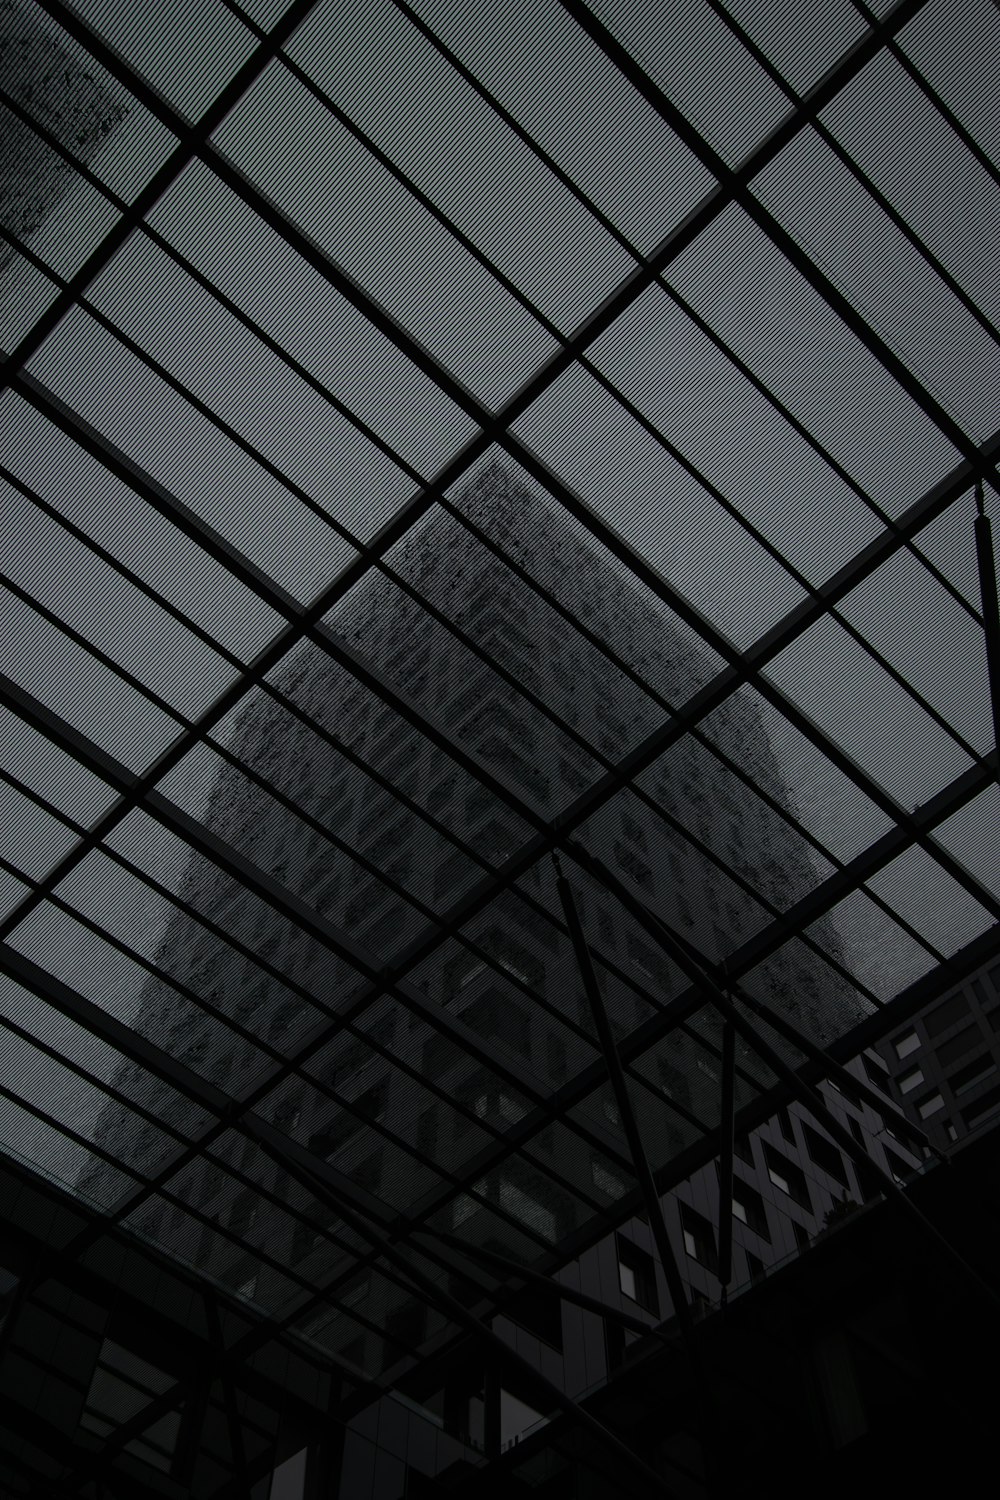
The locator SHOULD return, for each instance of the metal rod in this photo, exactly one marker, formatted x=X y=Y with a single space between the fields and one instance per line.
x=640 y=1161
x=236 y=1444
x=837 y=1071
x=727 y=1114
x=696 y=971
x=460 y=1315
x=988 y=598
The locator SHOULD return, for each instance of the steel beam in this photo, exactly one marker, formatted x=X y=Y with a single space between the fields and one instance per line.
x=464 y=1319
x=991 y=611
x=191 y=140
x=726 y=1143
x=712 y=1438
x=696 y=968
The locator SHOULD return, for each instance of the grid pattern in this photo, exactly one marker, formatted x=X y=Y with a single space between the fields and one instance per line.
x=295 y=301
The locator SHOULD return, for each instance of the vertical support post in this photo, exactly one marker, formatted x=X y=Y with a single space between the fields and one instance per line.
x=491 y=1410
x=14 y=1304
x=640 y=1162
x=988 y=599
x=726 y=1141
x=241 y=1474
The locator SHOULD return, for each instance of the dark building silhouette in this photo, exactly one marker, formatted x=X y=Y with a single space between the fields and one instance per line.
x=396 y=1105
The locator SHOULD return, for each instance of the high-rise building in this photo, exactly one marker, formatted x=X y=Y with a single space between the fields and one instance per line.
x=379 y=831
x=943 y=1062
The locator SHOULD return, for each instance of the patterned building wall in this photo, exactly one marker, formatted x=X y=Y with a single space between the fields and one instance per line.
x=408 y=1103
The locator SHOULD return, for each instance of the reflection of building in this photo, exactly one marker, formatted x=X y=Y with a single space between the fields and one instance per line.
x=38 y=75
x=400 y=1101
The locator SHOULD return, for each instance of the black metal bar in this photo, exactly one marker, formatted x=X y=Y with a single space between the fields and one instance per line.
x=637 y=1151
x=224 y=1381
x=461 y=1315
x=191 y=140
x=491 y=1409
x=696 y=968
x=991 y=610
x=726 y=1116
x=736 y=184
x=836 y=1071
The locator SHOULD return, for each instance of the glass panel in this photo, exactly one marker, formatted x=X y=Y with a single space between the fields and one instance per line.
x=883 y=275
x=702 y=68
x=391 y=82
x=539 y=65
x=187 y=54
x=868 y=714
x=654 y=504
x=354 y=210
x=746 y=290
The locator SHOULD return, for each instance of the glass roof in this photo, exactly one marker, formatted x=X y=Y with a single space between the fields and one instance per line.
x=438 y=436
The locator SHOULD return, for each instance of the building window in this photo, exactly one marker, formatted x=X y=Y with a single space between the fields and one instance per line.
x=974 y=1072
x=946 y=1014
x=907 y=1044
x=930 y=1105
x=801 y=1234
x=825 y=1155
x=786 y=1176
x=949 y=1052
x=911 y=1080
x=604 y=1178
x=699 y=1238
x=748 y=1207
x=755 y=1266
x=637 y=1274
x=784 y=1120
x=973 y=1113
x=878 y=1073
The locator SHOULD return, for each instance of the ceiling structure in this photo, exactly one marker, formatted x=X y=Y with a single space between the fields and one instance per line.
x=280 y=283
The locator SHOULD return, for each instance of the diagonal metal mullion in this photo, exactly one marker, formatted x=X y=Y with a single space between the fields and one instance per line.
x=447 y=624
x=765 y=220
x=491 y=424
x=293 y=908
x=481 y=1332
x=726 y=1147
x=931 y=94
x=860 y=176
x=769 y=644
x=743 y=667
x=419 y=499
x=611 y=228
x=637 y=1150
x=223 y=1110
x=191 y=139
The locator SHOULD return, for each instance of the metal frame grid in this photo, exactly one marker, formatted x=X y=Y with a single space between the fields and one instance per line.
x=742 y=326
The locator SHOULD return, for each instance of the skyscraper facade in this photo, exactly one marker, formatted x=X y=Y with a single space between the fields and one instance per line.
x=944 y=1061
x=377 y=831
